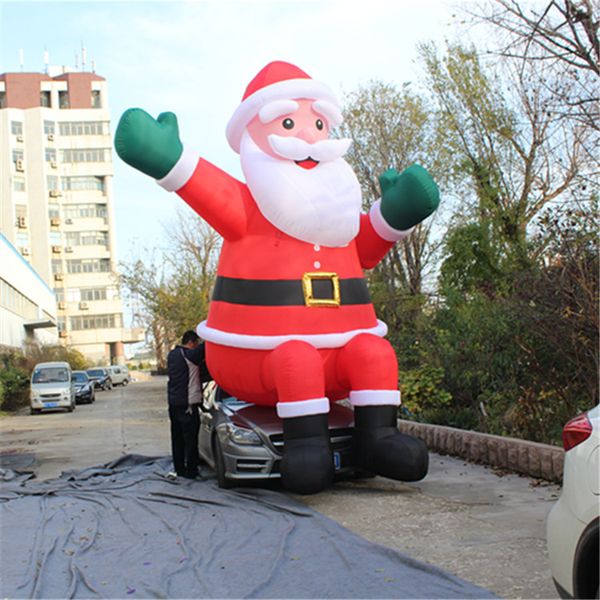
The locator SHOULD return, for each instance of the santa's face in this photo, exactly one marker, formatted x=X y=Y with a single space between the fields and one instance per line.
x=297 y=175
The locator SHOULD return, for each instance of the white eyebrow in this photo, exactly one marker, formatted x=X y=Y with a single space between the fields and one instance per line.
x=277 y=108
x=330 y=111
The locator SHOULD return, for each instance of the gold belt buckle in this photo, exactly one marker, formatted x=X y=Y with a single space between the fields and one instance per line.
x=307 y=288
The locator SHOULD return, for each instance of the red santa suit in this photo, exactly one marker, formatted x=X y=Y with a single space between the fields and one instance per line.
x=290 y=321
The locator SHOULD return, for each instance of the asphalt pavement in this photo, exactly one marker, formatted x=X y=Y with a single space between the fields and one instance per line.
x=485 y=526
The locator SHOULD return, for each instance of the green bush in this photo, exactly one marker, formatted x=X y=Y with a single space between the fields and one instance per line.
x=14 y=384
x=422 y=391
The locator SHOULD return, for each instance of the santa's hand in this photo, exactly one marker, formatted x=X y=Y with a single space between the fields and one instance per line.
x=147 y=144
x=407 y=198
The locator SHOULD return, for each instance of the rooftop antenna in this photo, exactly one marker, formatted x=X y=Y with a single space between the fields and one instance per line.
x=76 y=61
x=93 y=66
x=46 y=60
x=21 y=58
x=83 y=57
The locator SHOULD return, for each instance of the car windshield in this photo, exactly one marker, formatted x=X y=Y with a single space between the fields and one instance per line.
x=96 y=372
x=50 y=375
x=80 y=377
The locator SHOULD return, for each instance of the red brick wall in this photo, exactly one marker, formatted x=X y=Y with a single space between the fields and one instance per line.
x=23 y=89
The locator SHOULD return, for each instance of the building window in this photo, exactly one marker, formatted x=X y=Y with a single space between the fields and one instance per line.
x=85 y=211
x=16 y=127
x=60 y=294
x=2 y=99
x=87 y=238
x=45 y=99
x=52 y=182
x=22 y=239
x=83 y=128
x=90 y=265
x=73 y=184
x=53 y=210
x=13 y=300
x=49 y=127
x=57 y=265
x=54 y=238
x=92 y=294
x=50 y=154
x=17 y=155
x=96 y=99
x=19 y=184
x=95 y=322
x=63 y=99
x=77 y=155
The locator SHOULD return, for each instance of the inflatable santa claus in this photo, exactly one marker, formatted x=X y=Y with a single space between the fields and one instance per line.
x=291 y=323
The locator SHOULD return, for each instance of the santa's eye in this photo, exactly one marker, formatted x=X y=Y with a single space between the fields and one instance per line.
x=319 y=124
x=288 y=124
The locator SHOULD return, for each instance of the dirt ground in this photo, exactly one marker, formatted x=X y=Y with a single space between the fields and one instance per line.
x=486 y=527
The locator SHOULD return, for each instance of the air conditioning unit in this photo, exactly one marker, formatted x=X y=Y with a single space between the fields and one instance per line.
x=58 y=276
x=19 y=138
x=20 y=165
x=55 y=193
x=69 y=249
x=83 y=306
x=62 y=306
x=56 y=249
x=54 y=222
x=62 y=334
x=25 y=251
x=69 y=221
x=53 y=164
x=21 y=222
x=50 y=137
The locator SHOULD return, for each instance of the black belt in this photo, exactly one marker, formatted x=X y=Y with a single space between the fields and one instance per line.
x=314 y=289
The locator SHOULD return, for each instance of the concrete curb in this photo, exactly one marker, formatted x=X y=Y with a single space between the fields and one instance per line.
x=521 y=456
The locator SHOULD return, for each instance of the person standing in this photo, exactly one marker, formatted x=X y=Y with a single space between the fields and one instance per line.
x=186 y=368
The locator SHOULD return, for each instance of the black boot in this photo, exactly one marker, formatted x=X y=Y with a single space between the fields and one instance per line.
x=307 y=464
x=381 y=449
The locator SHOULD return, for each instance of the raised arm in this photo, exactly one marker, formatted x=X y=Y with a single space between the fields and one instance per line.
x=153 y=147
x=407 y=198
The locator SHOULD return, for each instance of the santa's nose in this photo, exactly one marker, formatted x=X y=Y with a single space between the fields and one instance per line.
x=308 y=134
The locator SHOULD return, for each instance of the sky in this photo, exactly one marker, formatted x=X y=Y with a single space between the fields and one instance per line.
x=196 y=58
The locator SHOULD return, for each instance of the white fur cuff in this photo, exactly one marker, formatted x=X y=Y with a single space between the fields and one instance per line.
x=179 y=175
x=375 y=398
x=383 y=230
x=302 y=408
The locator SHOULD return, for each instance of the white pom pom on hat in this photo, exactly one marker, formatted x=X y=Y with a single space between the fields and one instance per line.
x=277 y=81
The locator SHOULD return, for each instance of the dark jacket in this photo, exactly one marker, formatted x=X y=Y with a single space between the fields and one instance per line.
x=187 y=371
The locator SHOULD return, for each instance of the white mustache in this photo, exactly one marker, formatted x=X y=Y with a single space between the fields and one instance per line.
x=294 y=148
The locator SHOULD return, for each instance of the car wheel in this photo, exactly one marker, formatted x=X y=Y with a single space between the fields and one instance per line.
x=34 y=411
x=222 y=481
x=71 y=408
x=125 y=382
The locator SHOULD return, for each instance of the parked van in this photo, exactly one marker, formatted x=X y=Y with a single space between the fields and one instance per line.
x=119 y=375
x=52 y=387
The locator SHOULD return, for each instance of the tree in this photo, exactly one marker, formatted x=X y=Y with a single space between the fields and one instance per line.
x=561 y=39
x=171 y=293
x=391 y=128
x=503 y=137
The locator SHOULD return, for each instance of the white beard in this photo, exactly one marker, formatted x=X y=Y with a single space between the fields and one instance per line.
x=320 y=205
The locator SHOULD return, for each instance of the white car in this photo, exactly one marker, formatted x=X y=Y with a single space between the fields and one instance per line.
x=52 y=387
x=572 y=528
x=119 y=375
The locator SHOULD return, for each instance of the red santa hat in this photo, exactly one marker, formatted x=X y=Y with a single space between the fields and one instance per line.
x=277 y=81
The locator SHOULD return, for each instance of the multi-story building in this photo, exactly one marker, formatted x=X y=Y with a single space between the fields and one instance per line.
x=56 y=201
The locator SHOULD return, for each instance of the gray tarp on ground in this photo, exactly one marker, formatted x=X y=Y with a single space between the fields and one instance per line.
x=125 y=530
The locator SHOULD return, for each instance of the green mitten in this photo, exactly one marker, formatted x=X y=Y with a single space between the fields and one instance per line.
x=407 y=198
x=147 y=144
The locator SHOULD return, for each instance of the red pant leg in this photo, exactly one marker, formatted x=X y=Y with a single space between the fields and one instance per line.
x=367 y=362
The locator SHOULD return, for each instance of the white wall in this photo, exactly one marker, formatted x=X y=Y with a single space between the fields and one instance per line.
x=17 y=272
